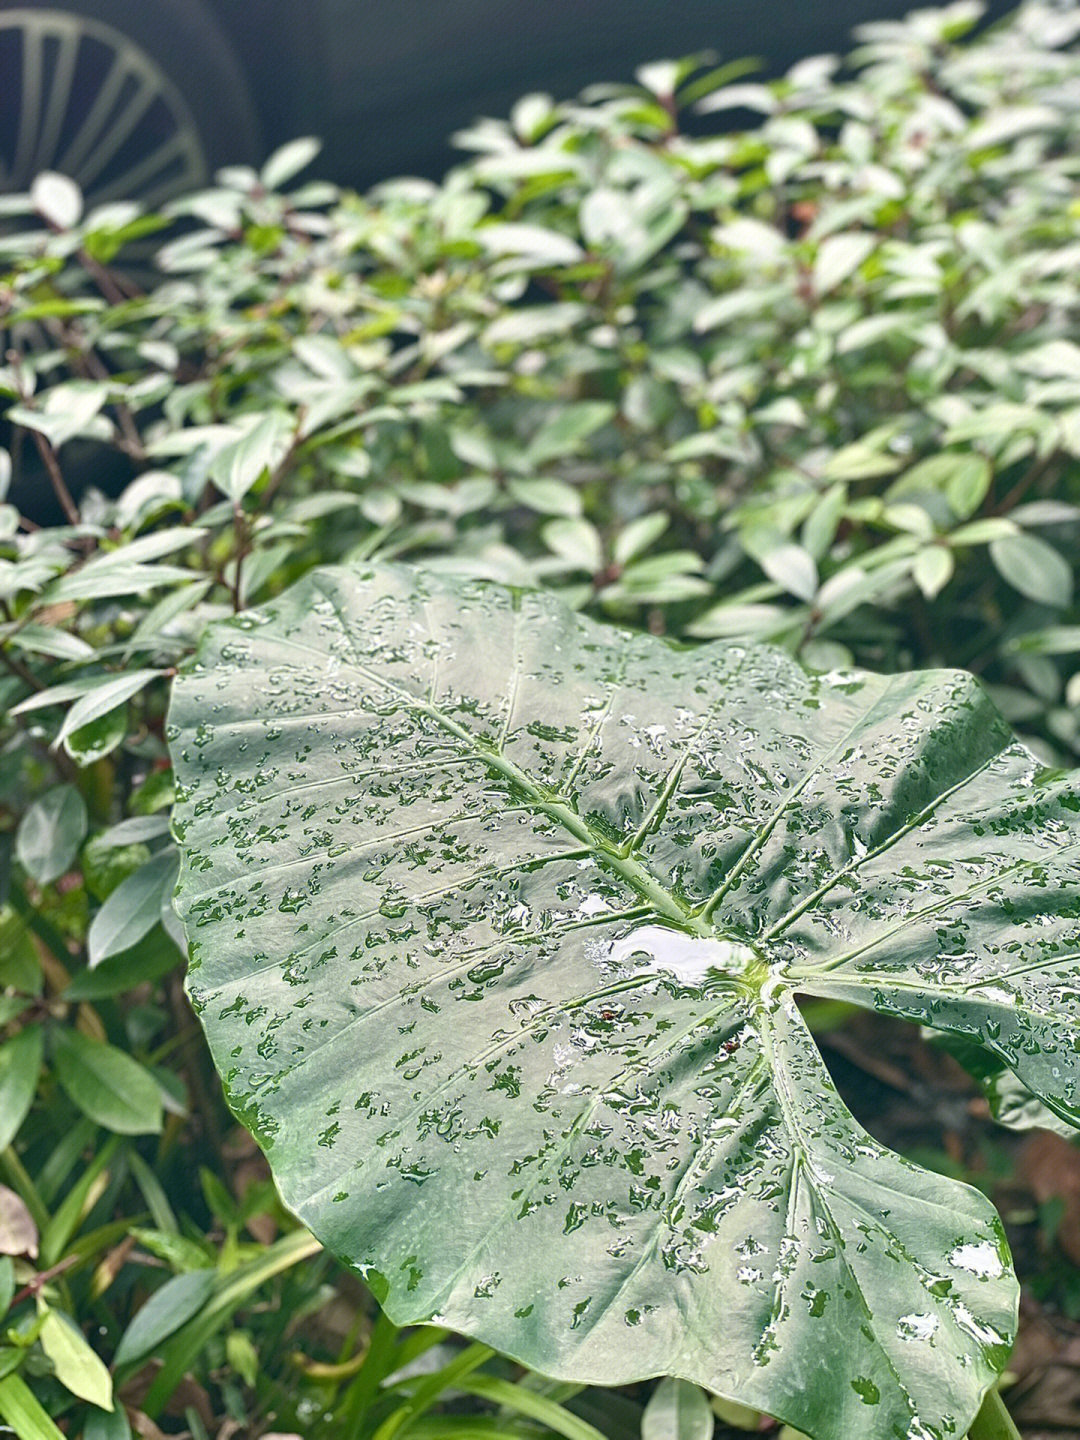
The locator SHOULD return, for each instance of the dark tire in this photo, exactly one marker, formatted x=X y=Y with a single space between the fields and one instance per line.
x=134 y=99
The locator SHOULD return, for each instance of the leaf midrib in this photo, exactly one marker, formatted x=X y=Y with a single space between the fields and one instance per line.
x=625 y=866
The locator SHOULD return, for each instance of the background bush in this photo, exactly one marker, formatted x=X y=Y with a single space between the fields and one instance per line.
x=814 y=380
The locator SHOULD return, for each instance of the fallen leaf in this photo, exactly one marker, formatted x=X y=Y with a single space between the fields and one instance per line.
x=18 y=1233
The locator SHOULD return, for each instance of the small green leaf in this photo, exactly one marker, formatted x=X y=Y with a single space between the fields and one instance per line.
x=20 y=1068
x=67 y=410
x=967 y=483
x=860 y=461
x=576 y=542
x=287 y=162
x=167 y=1309
x=50 y=833
x=108 y=578
x=242 y=1355
x=982 y=532
x=822 y=523
x=793 y=568
x=58 y=694
x=933 y=569
x=677 y=1410
x=638 y=536
x=106 y=1084
x=7 y=1284
x=152 y=547
x=48 y=640
x=239 y=465
x=90 y=743
x=962 y=477
x=23 y=1412
x=739 y=1417
x=838 y=257
x=534 y=245
x=567 y=429
x=534 y=324
x=132 y=909
x=1034 y=568
x=1053 y=640
x=77 y=1367
x=57 y=199
x=546 y=497
x=104 y=698
x=107 y=1425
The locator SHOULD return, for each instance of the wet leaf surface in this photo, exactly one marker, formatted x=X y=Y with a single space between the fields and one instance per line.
x=497 y=917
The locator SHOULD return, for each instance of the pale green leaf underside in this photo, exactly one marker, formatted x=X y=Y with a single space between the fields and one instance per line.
x=496 y=918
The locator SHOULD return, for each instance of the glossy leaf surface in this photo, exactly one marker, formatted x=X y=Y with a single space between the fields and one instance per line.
x=496 y=919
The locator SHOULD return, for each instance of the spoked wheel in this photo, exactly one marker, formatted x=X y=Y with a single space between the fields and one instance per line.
x=132 y=99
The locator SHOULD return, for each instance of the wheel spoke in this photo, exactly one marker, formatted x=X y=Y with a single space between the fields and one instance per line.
x=132 y=181
x=119 y=132
x=95 y=121
x=60 y=88
x=29 y=104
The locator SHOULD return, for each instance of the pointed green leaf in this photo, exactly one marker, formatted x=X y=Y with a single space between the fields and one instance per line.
x=103 y=699
x=50 y=833
x=534 y=245
x=77 y=1367
x=106 y=1084
x=51 y=641
x=1034 y=568
x=7 y=1284
x=57 y=199
x=289 y=160
x=24 y=1412
x=238 y=465
x=840 y=256
x=167 y=1309
x=132 y=909
x=933 y=569
x=497 y=917
x=564 y=433
x=20 y=1067
x=105 y=578
x=677 y=1410
x=107 y=1425
x=90 y=743
x=793 y=568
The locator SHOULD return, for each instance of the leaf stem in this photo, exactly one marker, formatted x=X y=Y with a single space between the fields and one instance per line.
x=993 y=1421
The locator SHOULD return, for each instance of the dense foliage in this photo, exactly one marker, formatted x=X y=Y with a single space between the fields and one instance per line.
x=812 y=380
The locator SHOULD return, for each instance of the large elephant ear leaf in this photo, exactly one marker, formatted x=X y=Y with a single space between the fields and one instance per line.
x=497 y=917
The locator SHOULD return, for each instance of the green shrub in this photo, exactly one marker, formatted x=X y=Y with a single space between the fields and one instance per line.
x=814 y=382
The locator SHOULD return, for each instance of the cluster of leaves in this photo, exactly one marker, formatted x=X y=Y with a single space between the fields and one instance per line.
x=812 y=380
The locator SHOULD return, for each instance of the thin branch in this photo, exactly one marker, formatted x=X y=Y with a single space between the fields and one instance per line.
x=42 y=1278
x=52 y=466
